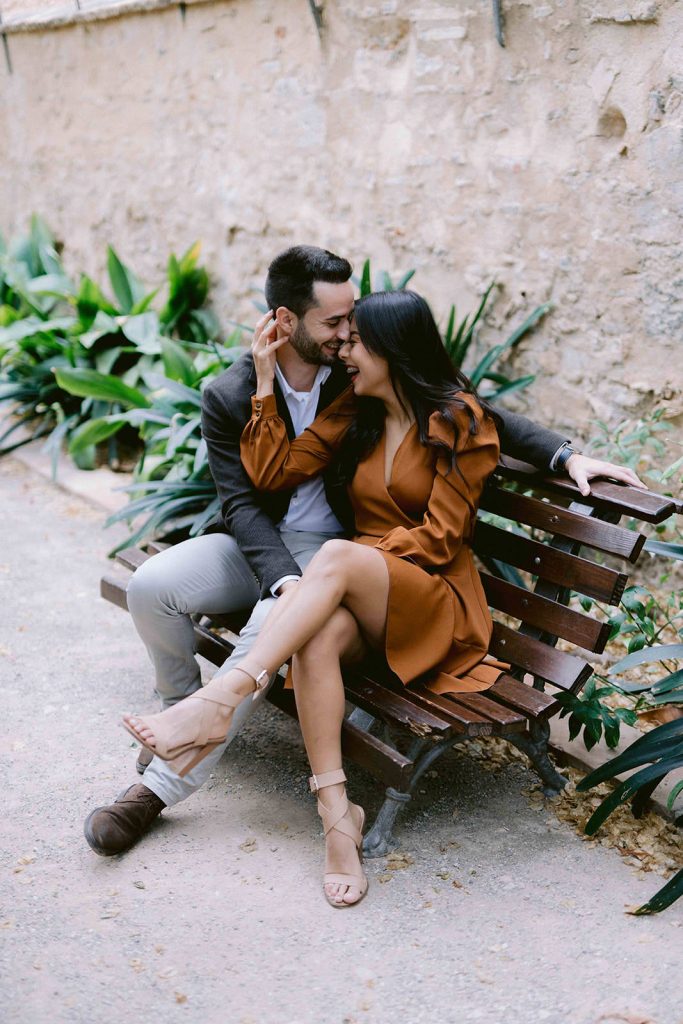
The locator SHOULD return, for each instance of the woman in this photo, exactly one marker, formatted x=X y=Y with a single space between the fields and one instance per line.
x=415 y=447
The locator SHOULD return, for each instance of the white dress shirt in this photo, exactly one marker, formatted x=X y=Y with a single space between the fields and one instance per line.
x=309 y=510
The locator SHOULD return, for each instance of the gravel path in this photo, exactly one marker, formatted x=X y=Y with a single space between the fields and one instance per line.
x=495 y=913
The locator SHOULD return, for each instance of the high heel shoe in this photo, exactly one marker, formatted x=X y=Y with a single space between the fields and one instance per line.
x=338 y=817
x=171 y=728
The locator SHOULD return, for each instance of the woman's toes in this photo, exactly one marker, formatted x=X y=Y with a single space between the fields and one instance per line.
x=143 y=732
x=332 y=891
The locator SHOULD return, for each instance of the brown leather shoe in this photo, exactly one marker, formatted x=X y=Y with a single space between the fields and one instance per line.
x=114 y=829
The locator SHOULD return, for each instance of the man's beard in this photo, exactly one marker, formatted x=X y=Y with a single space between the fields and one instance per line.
x=308 y=349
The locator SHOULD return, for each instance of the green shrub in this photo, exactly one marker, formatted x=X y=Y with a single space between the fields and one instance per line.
x=55 y=336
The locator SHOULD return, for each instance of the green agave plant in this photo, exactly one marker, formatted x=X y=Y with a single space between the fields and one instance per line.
x=49 y=326
x=173 y=490
x=33 y=336
x=661 y=752
x=458 y=337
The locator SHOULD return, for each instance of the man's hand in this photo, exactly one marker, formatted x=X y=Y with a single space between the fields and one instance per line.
x=582 y=468
x=264 y=349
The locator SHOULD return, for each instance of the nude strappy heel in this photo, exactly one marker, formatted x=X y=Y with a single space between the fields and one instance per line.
x=338 y=817
x=171 y=733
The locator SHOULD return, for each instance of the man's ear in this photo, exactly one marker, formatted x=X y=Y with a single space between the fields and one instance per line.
x=286 y=320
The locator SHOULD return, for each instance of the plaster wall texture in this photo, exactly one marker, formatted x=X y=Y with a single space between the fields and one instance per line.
x=401 y=131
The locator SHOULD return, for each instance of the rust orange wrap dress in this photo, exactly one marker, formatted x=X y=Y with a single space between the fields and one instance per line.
x=438 y=623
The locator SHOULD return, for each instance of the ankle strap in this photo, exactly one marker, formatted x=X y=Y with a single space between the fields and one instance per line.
x=318 y=782
x=258 y=674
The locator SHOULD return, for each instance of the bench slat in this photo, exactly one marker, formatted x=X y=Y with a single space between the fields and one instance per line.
x=503 y=718
x=557 y=667
x=561 y=522
x=552 y=618
x=522 y=697
x=383 y=702
x=561 y=567
x=464 y=719
x=644 y=505
x=132 y=558
x=113 y=588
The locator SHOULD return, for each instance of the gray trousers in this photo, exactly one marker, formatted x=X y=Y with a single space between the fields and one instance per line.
x=205 y=574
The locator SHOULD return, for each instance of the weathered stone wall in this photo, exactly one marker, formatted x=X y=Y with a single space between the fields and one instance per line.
x=406 y=133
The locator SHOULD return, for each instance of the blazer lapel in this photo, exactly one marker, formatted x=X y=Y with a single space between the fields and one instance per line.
x=283 y=410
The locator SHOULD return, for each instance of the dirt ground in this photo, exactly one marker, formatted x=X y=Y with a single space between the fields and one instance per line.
x=495 y=912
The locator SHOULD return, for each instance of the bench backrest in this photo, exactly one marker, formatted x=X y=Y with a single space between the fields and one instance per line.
x=564 y=523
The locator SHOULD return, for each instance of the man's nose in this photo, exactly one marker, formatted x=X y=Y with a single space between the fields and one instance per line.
x=344 y=331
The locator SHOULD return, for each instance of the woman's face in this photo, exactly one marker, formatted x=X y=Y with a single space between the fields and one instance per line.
x=368 y=373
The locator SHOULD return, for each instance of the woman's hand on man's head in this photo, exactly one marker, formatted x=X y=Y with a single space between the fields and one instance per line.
x=264 y=348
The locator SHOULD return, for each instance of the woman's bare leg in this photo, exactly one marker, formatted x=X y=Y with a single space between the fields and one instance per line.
x=342 y=574
x=319 y=689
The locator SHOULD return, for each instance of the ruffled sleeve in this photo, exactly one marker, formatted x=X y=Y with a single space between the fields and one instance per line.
x=452 y=508
x=273 y=462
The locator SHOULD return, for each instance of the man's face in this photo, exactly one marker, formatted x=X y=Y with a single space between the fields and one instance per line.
x=321 y=331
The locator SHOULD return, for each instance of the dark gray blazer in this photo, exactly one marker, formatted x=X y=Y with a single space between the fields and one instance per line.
x=251 y=516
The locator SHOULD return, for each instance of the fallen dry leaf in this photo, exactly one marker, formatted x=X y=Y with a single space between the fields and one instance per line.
x=649 y=843
x=110 y=912
x=386 y=877
x=249 y=845
x=180 y=997
x=398 y=861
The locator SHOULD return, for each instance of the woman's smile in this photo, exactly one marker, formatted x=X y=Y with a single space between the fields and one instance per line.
x=353 y=372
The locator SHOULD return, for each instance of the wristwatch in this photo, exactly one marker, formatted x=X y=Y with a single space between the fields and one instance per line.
x=563 y=456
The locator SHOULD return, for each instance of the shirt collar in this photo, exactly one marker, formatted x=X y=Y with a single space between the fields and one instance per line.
x=287 y=390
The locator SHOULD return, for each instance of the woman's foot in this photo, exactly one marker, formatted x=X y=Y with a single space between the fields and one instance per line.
x=344 y=882
x=342 y=857
x=185 y=733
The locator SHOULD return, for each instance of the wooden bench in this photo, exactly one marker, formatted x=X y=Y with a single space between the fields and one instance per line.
x=395 y=732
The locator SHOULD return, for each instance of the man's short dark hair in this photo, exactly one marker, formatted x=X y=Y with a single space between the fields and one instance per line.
x=293 y=273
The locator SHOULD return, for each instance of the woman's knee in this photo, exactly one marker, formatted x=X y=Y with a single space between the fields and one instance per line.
x=334 y=639
x=333 y=560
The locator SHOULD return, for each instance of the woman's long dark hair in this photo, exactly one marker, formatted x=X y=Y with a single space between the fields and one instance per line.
x=399 y=327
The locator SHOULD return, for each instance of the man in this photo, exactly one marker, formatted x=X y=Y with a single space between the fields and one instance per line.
x=263 y=542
